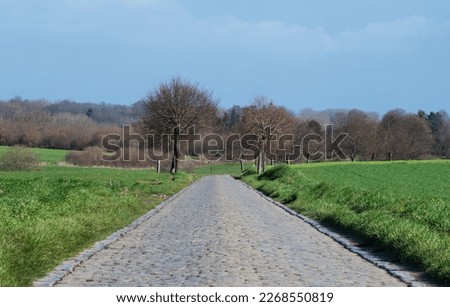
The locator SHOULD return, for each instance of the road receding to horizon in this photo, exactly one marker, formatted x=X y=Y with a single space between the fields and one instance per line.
x=217 y=232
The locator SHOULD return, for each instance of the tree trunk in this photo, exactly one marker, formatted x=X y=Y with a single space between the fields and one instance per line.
x=176 y=153
x=263 y=157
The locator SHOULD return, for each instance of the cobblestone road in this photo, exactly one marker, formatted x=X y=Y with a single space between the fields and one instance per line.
x=219 y=233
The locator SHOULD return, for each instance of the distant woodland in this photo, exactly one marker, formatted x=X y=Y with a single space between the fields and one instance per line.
x=60 y=125
x=396 y=135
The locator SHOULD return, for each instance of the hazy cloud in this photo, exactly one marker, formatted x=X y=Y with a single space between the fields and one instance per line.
x=397 y=34
x=148 y=22
x=273 y=35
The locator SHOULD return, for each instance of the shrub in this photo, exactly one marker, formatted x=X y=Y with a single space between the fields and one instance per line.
x=188 y=165
x=94 y=156
x=89 y=157
x=18 y=159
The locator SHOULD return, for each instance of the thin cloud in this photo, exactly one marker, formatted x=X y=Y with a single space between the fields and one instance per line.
x=147 y=23
x=397 y=34
x=274 y=36
x=165 y=23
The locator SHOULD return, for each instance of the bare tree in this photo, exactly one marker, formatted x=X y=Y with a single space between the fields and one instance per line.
x=419 y=139
x=305 y=127
x=266 y=120
x=390 y=134
x=361 y=137
x=173 y=108
x=404 y=136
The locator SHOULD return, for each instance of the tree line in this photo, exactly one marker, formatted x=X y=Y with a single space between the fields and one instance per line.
x=175 y=106
x=62 y=125
x=397 y=135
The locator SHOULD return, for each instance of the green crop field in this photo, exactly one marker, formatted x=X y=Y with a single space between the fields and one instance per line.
x=53 y=213
x=402 y=206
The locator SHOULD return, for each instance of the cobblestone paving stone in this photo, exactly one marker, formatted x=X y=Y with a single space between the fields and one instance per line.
x=220 y=233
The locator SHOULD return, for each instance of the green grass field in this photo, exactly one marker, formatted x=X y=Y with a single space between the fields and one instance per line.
x=48 y=156
x=402 y=206
x=230 y=168
x=51 y=214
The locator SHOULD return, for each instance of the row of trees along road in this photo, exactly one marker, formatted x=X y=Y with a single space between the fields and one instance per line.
x=175 y=106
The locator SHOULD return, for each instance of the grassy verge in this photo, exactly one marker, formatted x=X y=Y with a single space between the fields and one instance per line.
x=50 y=215
x=402 y=206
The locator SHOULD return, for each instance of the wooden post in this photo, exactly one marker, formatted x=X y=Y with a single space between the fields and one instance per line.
x=242 y=165
x=158 y=166
x=260 y=167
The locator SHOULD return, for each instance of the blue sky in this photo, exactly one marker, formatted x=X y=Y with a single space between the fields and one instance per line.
x=374 y=55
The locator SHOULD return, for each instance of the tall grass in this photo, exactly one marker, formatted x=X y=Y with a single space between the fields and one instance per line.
x=403 y=206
